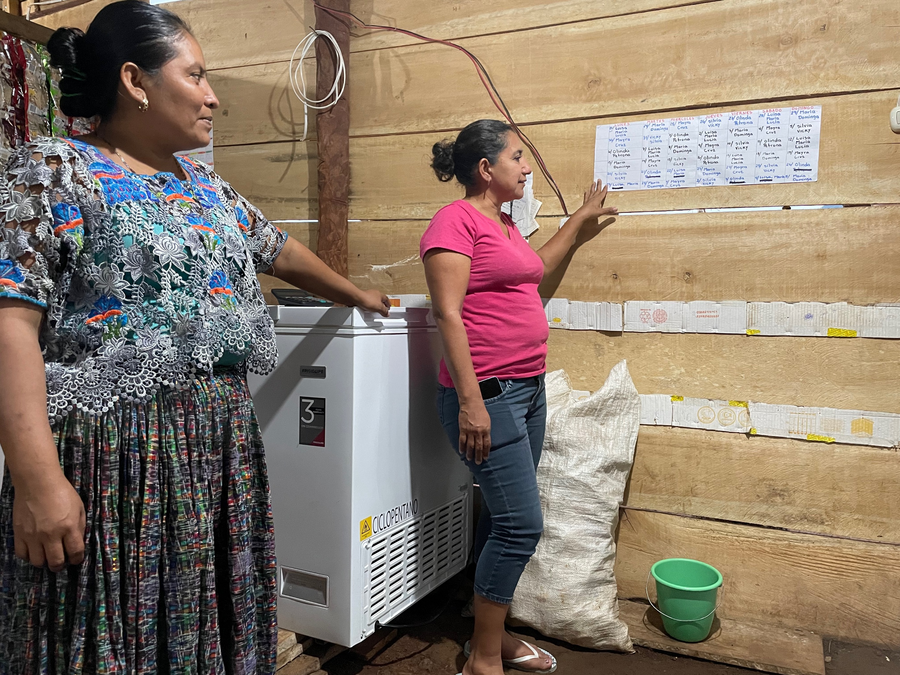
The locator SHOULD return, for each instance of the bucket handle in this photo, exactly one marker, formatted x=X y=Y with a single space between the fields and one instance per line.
x=647 y=592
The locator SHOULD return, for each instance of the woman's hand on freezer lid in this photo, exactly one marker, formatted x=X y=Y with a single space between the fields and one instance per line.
x=373 y=301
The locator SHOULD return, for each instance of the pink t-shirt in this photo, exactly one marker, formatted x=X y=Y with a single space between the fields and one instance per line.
x=502 y=311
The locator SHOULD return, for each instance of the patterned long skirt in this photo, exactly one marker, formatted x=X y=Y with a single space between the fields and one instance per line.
x=179 y=569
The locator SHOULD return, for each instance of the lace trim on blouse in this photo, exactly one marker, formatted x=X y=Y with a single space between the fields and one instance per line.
x=146 y=280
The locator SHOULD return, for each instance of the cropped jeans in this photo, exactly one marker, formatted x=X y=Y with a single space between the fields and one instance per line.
x=511 y=523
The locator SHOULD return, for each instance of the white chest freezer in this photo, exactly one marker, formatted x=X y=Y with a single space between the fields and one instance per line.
x=372 y=505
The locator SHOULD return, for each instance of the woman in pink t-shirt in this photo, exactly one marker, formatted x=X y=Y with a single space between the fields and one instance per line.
x=484 y=277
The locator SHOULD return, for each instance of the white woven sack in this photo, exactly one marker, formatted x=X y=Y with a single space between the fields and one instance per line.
x=568 y=590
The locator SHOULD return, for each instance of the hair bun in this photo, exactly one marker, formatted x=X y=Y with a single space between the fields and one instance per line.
x=68 y=49
x=442 y=162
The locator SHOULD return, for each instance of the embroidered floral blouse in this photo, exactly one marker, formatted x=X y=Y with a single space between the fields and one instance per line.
x=145 y=280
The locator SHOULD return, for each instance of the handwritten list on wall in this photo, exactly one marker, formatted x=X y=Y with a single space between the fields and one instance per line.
x=749 y=147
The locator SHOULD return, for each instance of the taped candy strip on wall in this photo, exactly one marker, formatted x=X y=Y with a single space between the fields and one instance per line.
x=828 y=425
x=728 y=317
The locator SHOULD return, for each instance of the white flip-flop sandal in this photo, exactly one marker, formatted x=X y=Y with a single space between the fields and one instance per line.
x=516 y=664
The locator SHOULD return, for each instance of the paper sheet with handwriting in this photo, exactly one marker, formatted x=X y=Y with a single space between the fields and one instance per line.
x=749 y=147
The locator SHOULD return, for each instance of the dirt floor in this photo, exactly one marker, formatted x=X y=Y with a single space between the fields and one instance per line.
x=436 y=648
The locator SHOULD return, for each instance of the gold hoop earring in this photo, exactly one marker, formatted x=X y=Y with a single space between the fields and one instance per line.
x=145 y=104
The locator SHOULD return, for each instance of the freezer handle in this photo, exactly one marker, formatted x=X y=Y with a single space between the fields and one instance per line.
x=389 y=322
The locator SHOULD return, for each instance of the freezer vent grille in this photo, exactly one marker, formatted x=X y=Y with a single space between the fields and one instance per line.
x=406 y=562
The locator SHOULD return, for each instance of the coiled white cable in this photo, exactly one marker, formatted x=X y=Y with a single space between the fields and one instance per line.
x=298 y=79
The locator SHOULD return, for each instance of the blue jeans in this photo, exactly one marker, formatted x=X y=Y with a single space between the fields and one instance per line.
x=511 y=522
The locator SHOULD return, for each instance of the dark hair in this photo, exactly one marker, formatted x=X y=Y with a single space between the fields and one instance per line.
x=484 y=139
x=131 y=30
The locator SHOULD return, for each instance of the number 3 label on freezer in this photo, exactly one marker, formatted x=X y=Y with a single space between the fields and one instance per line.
x=312 y=421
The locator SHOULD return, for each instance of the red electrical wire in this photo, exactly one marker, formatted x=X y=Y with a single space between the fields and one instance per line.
x=485 y=78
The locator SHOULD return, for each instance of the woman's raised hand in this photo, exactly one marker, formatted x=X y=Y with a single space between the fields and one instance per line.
x=594 y=206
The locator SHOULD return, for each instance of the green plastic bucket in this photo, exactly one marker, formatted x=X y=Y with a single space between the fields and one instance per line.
x=686 y=593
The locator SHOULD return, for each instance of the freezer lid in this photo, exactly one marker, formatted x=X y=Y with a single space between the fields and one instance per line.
x=349 y=317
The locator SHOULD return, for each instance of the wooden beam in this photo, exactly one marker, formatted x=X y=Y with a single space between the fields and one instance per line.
x=857 y=164
x=33 y=9
x=13 y=7
x=826 y=255
x=792 y=256
x=277 y=178
x=290 y=647
x=852 y=374
x=71 y=14
x=22 y=28
x=333 y=132
x=840 y=490
x=258 y=104
x=239 y=33
x=390 y=177
x=702 y=55
x=767 y=648
x=468 y=18
x=843 y=589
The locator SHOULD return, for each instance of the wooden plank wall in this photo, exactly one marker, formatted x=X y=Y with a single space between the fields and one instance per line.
x=75 y=15
x=807 y=535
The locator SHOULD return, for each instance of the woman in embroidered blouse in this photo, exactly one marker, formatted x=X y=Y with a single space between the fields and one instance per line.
x=135 y=518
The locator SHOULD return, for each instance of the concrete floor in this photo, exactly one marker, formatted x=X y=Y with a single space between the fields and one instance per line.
x=436 y=648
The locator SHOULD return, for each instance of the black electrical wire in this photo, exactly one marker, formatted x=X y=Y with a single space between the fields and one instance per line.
x=486 y=80
x=416 y=624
